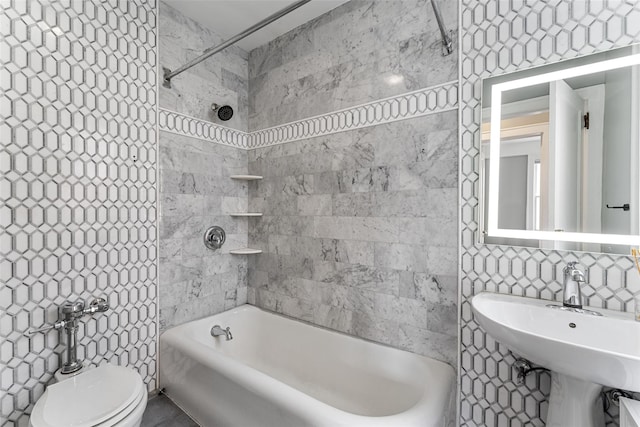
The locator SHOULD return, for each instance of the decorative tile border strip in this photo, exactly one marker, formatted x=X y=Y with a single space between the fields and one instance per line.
x=430 y=100
x=182 y=124
x=422 y=102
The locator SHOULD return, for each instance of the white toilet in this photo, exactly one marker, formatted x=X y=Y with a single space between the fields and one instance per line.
x=105 y=396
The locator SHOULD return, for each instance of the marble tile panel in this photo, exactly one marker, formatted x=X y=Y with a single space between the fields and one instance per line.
x=169 y=249
x=442 y=260
x=346 y=251
x=442 y=173
x=294 y=165
x=327 y=182
x=172 y=204
x=263 y=59
x=257 y=278
x=281 y=204
x=402 y=310
x=222 y=185
x=192 y=39
x=364 y=180
x=180 y=271
x=292 y=265
x=435 y=289
x=176 y=141
x=433 y=230
x=241 y=295
x=234 y=82
x=368 y=50
x=415 y=203
x=218 y=263
x=295 y=185
x=180 y=292
x=314 y=205
x=191 y=248
x=357 y=155
x=333 y=318
x=292 y=225
x=352 y=299
x=442 y=319
x=234 y=204
x=421 y=63
x=398 y=256
x=180 y=227
x=354 y=204
x=375 y=329
x=357 y=276
x=355 y=228
x=280 y=245
x=257 y=203
x=191 y=310
x=294 y=307
x=185 y=183
x=307 y=290
x=432 y=137
x=262 y=298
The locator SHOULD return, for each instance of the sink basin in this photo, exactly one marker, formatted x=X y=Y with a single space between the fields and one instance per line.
x=600 y=349
x=585 y=352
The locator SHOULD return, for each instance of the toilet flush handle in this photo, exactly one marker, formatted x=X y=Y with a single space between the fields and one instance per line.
x=57 y=325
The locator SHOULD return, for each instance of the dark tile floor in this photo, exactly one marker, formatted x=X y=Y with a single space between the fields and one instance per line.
x=162 y=412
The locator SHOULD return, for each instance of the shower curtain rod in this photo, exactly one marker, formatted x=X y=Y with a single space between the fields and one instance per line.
x=447 y=43
x=168 y=74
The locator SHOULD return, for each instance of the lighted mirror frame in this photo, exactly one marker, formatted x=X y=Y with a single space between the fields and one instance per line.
x=494 y=152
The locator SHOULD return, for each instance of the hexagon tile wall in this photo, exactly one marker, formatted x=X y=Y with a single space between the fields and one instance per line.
x=77 y=186
x=499 y=37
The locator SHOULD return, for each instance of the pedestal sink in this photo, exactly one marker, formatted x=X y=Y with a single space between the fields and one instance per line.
x=583 y=351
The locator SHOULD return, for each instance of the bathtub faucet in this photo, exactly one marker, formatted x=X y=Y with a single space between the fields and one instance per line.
x=217 y=331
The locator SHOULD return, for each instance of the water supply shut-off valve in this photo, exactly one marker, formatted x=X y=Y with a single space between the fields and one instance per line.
x=72 y=311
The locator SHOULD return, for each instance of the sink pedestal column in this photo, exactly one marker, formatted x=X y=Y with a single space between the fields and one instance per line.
x=574 y=403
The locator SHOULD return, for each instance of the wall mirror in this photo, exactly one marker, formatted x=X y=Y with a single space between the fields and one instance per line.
x=560 y=158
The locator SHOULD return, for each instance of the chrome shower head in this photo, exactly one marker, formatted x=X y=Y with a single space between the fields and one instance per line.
x=224 y=112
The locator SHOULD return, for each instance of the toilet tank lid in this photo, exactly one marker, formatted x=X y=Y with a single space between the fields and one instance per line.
x=89 y=398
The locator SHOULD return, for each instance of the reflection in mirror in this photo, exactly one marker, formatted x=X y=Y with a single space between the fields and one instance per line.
x=559 y=156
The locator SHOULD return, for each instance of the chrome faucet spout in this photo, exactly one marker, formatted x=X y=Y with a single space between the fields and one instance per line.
x=572 y=281
x=217 y=330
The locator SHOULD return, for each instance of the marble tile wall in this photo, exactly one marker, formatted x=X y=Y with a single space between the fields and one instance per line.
x=361 y=51
x=359 y=232
x=196 y=193
x=221 y=79
x=195 y=189
x=496 y=38
x=77 y=188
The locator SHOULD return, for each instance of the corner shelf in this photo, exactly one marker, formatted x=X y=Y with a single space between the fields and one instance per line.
x=246 y=177
x=245 y=214
x=245 y=251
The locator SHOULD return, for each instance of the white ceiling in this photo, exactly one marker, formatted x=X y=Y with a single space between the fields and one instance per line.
x=230 y=17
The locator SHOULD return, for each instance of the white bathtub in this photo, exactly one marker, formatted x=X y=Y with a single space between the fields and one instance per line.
x=280 y=372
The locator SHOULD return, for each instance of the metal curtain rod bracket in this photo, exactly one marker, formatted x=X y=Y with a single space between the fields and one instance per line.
x=168 y=74
x=447 y=42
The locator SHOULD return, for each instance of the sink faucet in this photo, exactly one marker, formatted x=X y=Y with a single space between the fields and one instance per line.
x=217 y=331
x=573 y=279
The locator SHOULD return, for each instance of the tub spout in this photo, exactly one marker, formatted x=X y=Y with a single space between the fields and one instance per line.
x=217 y=330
